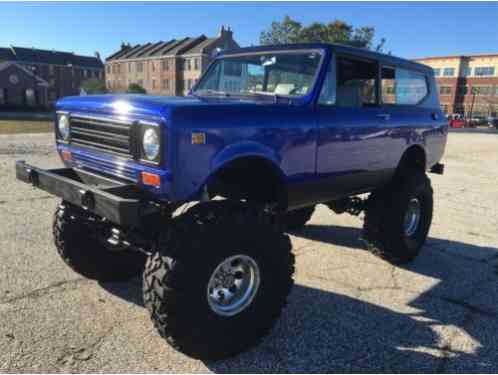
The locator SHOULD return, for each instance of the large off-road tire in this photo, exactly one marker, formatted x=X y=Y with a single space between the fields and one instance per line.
x=391 y=228
x=178 y=278
x=79 y=248
x=297 y=219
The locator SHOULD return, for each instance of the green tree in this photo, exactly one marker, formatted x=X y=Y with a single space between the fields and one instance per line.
x=284 y=32
x=135 y=88
x=337 y=31
x=94 y=86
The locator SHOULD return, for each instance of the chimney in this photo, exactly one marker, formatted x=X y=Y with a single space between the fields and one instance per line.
x=226 y=32
x=97 y=55
x=125 y=46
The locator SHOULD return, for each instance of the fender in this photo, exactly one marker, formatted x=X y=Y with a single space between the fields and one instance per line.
x=244 y=149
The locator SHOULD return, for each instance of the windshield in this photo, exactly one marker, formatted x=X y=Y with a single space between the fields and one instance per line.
x=278 y=73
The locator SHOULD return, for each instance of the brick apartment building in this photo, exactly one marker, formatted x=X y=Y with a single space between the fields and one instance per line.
x=467 y=84
x=165 y=67
x=32 y=77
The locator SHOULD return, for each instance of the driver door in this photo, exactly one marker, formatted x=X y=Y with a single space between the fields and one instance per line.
x=352 y=129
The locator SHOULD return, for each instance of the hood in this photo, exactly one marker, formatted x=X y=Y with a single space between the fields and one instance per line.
x=141 y=105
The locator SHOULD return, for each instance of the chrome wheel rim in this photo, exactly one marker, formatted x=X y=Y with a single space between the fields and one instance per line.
x=412 y=217
x=233 y=285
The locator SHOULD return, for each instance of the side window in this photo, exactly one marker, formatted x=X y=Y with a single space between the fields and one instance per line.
x=402 y=86
x=353 y=85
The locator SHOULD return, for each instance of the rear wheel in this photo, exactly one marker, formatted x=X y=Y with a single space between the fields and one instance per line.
x=80 y=249
x=398 y=218
x=219 y=280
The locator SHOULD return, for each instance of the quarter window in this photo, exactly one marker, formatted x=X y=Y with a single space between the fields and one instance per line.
x=449 y=72
x=402 y=86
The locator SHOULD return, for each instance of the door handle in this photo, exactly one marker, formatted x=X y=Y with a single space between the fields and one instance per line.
x=385 y=116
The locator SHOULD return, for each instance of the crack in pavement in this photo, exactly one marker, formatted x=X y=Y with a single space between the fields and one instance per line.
x=28 y=199
x=37 y=293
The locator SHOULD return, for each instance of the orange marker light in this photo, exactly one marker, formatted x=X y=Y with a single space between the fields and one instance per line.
x=66 y=155
x=151 y=179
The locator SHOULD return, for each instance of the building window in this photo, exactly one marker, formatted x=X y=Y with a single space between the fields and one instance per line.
x=51 y=69
x=140 y=83
x=140 y=67
x=449 y=72
x=153 y=83
x=196 y=64
x=481 y=90
x=445 y=90
x=467 y=71
x=437 y=72
x=153 y=66
x=463 y=90
x=109 y=85
x=485 y=71
x=108 y=67
x=165 y=84
x=496 y=91
x=187 y=62
x=3 y=96
x=129 y=67
x=165 y=65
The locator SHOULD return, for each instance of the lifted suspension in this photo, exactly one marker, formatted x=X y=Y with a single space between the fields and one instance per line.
x=351 y=205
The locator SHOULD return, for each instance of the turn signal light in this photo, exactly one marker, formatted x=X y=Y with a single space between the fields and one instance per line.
x=66 y=155
x=151 y=179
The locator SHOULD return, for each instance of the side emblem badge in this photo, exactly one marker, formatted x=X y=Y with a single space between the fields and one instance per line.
x=198 y=138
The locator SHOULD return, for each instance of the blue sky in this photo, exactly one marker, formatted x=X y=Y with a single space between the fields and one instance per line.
x=411 y=29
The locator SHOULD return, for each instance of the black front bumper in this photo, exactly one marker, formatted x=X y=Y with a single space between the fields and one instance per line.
x=121 y=203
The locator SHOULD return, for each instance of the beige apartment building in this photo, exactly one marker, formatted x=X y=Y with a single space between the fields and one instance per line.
x=468 y=84
x=165 y=67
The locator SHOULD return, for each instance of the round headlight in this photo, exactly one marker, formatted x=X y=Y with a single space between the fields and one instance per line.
x=63 y=126
x=151 y=144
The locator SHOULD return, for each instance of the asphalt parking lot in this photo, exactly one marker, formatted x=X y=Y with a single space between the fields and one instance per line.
x=349 y=311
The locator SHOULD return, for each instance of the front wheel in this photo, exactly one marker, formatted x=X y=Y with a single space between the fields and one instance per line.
x=398 y=218
x=219 y=279
x=79 y=247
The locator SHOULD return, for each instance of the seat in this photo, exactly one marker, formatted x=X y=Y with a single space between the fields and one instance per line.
x=349 y=94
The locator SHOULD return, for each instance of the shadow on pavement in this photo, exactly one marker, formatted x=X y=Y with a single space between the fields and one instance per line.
x=323 y=331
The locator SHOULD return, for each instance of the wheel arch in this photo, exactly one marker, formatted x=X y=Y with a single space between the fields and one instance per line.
x=414 y=157
x=251 y=173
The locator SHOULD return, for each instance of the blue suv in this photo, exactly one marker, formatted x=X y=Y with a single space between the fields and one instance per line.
x=197 y=193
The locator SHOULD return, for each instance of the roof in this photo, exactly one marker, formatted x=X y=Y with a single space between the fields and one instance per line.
x=457 y=56
x=338 y=48
x=162 y=48
x=33 y=55
x=200 y=47
x=6 y=64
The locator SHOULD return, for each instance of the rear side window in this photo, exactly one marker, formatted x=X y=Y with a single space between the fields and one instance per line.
x=402 y=86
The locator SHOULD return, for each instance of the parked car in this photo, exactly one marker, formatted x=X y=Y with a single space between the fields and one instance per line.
x=272 y=131
x=493 y=122
x=457 y=123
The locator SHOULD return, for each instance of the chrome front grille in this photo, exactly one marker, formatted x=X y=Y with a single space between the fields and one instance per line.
x=106 y=134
